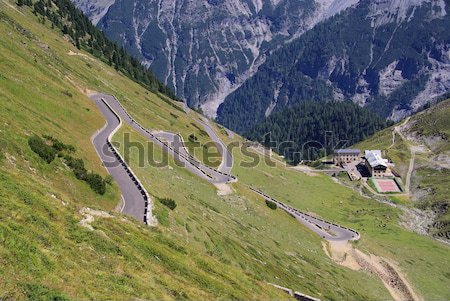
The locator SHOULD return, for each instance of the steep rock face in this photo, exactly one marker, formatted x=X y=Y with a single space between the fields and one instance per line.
x=390 y=55
x=94 y=9
x=206 y=49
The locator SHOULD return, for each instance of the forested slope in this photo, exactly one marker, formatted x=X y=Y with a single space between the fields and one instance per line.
x=314 y=129
x=389 y=58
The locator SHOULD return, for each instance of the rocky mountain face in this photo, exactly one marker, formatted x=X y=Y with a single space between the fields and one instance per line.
x=206 y=49
x=94 y=9
x=390 y=55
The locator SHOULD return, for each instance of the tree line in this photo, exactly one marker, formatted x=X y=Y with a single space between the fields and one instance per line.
x=84 y=35
x=313 y=129
x=347 y=55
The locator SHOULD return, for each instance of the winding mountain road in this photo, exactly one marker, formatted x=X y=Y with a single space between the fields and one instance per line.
x=326 y=230
x=227 y=159
x=137 y=202
x=172 y=143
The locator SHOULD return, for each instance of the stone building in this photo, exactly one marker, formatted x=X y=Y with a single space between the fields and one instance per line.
x=377 y=166
x=346 y=155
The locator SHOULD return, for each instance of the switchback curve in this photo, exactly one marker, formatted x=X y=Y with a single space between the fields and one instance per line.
x=326 y=230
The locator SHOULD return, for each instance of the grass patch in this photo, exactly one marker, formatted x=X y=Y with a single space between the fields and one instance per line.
x=42 y=293
x=372 y=185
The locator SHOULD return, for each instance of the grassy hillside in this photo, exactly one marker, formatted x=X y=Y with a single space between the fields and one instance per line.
x=421 y=258
x=208 y=247
x=45 y=253
x=434 y=123
x=428 y=133
x=229 y=247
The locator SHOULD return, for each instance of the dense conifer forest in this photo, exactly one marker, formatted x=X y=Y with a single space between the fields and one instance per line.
x=313 y=129
x=344 y=57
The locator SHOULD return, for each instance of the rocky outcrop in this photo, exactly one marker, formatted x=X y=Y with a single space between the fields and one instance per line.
x=390 y=55
x=204 y=50
x=94 y=9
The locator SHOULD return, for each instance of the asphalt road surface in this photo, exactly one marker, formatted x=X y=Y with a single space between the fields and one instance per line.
x=227 y=159
x=326 y=230
x=175 y=148
x=135 y=199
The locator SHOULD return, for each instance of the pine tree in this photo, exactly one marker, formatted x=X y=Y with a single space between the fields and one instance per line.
x=71 y=21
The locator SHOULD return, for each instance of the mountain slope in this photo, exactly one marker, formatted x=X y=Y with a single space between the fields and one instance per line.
x=312 y=129
x=424 y=140
x=206 y=49
x=45 y=252
x=391 y=56
x=209 y=247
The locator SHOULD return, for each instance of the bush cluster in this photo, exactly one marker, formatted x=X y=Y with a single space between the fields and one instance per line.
x=49 y=147
x=192 y=138
x=24 y=2
x=40 y=292
x=38 y=145
x=271 y=205
x=94 y=180
x=169 y=203
x=58 y=145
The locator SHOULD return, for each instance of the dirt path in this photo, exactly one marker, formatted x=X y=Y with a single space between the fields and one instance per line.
x=412 y=148
x=344 y=254
x=223 y=189
x=410 y=171
x=71 y=53
x=306 y=170
x=397 y=130
x=267 y=153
